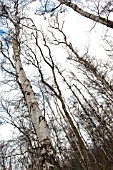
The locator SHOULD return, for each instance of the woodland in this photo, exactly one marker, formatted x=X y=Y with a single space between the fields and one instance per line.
x=56 y=84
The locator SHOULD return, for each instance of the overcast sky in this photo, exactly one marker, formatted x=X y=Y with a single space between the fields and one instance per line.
x=78 y=29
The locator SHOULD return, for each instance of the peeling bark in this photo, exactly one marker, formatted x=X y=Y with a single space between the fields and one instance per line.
x=45 y=151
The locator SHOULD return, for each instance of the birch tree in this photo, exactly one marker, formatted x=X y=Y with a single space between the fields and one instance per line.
x=99 y=11
x=95 y=77
x=104 y=9
x=77 y=94
x=11 y=13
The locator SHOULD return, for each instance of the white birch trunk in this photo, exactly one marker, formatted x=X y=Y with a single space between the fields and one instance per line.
x=99 y=19
x=38 y=120
x=45 y=151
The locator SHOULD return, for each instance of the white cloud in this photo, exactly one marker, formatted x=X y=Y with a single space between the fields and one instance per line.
x=5 y=131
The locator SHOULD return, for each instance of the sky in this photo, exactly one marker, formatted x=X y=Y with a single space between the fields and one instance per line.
x=2 y=32
x=6 y=132
x=79 y=32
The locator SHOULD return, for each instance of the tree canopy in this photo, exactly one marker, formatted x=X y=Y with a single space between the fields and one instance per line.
x=56 y=84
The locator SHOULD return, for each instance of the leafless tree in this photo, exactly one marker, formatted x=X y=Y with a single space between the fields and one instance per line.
x=74 y=109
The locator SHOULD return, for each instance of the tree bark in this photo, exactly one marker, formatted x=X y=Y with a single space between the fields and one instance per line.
x=46 y=152
x=86 y=14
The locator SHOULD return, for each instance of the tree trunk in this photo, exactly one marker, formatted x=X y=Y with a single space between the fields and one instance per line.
x=98 y=19
x=45 y=151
